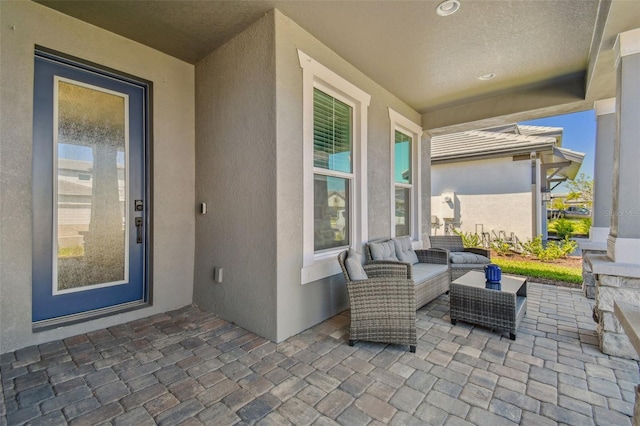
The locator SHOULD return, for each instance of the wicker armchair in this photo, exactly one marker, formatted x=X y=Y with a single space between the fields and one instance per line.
x=382 y=306
x=460 y=263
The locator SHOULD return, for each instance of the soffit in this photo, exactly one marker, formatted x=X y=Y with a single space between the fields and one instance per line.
x=429 y=62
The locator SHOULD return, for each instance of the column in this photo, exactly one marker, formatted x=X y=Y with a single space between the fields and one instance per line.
x=602 y=192
x=623 y=245
x=618 y=273
x=603 y=169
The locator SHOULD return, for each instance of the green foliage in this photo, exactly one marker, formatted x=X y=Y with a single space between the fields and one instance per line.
x=553 y=250
x=581 y=188
x=568 y=246
x=533 y=247
x=583 y=226
x=539 y=270
x=558 y=204
x=469 y=239
x=501 y=247
x=580 y=226
x=564 y=228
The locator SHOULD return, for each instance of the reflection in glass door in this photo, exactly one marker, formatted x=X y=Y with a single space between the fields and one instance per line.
x=91 y=212
x=91 y=141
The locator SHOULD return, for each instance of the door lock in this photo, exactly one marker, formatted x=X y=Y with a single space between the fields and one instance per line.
x=138 y=205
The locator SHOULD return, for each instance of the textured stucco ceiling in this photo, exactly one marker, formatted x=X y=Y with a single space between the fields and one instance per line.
x=430 y=62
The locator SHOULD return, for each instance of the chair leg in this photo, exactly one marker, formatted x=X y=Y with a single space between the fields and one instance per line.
x=412 y=349
x=351 y=342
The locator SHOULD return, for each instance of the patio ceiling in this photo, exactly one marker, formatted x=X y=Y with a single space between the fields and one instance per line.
x=548 y=56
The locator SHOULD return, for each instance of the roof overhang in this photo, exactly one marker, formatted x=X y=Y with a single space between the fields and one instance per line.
x=560 y=165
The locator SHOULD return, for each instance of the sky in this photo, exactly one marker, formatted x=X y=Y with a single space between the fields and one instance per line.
x=579 y=135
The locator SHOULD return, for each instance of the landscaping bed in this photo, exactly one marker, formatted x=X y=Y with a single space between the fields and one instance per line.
x=565 y=272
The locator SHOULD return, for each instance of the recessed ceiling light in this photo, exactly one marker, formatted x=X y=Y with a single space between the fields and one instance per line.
x=448 y=7
x=487 y=76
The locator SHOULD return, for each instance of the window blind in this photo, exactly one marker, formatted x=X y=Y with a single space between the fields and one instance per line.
x=331 y=133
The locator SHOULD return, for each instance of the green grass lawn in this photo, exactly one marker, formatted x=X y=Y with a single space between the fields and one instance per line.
x=535 y=269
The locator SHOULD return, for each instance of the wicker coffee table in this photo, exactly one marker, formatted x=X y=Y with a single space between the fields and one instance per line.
x=500 y=309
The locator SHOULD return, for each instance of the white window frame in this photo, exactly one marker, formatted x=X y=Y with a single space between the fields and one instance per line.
x=322 y=264
x=414 y=131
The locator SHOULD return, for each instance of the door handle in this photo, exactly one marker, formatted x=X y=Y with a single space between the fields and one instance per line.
x=139 y=229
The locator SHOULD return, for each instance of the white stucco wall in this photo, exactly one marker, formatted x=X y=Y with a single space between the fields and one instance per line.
x=301 y=306
x=494 y=193
x=24 y=24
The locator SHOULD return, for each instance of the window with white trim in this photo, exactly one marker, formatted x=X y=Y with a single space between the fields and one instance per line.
x=333 y=175
x=405 y=173
x=334 y=168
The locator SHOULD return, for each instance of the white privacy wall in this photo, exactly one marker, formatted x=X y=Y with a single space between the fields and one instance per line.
x=494 y=193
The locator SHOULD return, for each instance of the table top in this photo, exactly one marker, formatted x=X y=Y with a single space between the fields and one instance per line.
x=508 y=283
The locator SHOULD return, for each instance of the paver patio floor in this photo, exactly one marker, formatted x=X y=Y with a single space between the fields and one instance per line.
x=190 y=367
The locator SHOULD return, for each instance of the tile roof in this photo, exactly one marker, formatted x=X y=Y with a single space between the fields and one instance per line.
x=486 y=143
x=539 y=130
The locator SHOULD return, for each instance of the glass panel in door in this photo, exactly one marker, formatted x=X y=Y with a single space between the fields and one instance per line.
x=91 y=145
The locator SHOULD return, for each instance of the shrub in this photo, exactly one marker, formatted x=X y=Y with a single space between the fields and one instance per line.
x=568 y=246
x=501 y=247
x=564 y=228
x=583 y=226
x=469 y=239
x=553 y=250
x=533 y=247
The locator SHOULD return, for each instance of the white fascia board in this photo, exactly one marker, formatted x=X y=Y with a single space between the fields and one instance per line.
x=605 y=106
x=627 y=43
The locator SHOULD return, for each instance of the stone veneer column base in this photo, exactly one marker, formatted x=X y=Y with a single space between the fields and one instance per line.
x=591 y=247
x=588 y=279
x=614 y=282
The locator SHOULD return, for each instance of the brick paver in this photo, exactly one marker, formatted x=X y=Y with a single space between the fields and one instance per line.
x=191 y=367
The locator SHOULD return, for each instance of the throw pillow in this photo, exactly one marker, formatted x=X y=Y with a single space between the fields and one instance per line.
x=404 y=250
x=385 y=250
x=460 y=257
x=354 y=267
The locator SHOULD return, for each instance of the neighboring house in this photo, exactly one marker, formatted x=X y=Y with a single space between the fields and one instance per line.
x=494 y=180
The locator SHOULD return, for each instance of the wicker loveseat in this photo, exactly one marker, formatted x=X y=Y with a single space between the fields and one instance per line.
x=382 y=301
x=429 y=268
x=461 y=259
